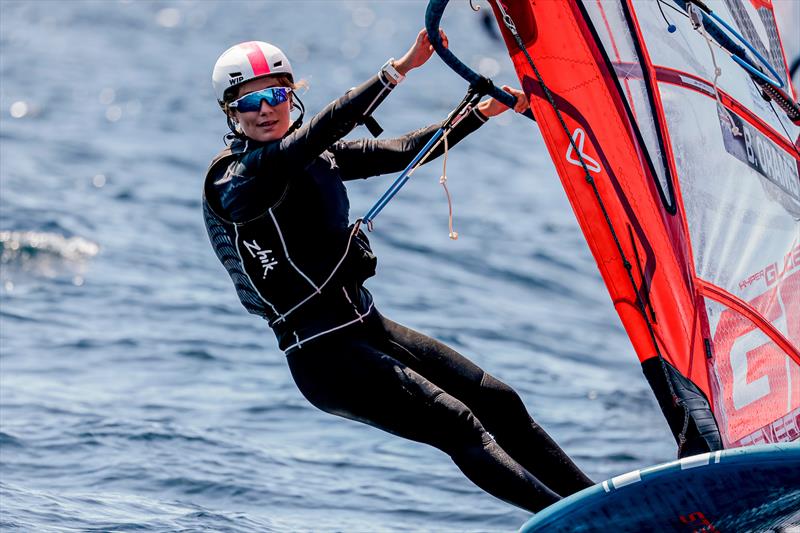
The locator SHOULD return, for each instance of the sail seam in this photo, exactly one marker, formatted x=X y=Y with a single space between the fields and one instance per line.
x=720 y=295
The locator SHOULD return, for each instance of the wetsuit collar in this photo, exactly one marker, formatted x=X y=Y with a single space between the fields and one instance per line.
x=242 y=145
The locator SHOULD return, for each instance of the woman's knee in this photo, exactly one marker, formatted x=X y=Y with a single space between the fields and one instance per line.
x=455 y=425
x=500 y=396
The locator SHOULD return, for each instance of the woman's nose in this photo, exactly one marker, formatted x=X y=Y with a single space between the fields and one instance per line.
x=265 y=108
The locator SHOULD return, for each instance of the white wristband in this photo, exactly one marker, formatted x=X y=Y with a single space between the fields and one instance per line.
x=390 y=72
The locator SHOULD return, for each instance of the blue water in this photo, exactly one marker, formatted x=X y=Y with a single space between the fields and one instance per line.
x=135 y=391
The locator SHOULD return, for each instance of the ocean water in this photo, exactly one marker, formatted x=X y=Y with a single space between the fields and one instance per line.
x=136 y=394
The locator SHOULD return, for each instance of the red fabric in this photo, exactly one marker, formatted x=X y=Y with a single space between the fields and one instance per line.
x=256 y=58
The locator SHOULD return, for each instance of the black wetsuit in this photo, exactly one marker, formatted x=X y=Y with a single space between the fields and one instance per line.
x=277 y=215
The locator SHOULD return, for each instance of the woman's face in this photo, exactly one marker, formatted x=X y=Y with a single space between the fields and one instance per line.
x=268 y=123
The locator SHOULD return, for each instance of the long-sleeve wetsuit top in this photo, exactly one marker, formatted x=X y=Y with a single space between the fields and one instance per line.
x=266 y=168
x=304 y=174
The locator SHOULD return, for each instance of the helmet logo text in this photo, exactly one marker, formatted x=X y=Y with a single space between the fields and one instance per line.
x=236 y=77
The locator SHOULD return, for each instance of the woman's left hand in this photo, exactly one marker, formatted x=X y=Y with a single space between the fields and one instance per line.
x=419 y=53
x=492 y=107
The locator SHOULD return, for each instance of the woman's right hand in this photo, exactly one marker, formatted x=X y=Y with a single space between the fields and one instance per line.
x=491 y=107
x=419 y=53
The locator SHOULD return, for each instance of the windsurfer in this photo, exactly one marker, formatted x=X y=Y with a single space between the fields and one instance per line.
x=277 y=216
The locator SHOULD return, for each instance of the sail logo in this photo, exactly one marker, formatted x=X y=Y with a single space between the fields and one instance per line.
x=263 y=256
x=756 y=377
x=765 y=157
x=579 y=139
x=774 y=272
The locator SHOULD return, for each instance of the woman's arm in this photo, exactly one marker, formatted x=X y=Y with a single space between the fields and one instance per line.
x=363 y=158
x=335 y=121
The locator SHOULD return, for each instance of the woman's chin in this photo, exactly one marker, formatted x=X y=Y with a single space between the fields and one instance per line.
x=266 y=134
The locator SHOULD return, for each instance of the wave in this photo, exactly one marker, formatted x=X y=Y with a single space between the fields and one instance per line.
x=38 y=251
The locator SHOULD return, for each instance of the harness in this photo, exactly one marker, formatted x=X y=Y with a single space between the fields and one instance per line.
x=305 y=286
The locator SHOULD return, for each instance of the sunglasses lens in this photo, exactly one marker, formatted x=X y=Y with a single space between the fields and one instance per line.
x=278 y=95
x=252 y=102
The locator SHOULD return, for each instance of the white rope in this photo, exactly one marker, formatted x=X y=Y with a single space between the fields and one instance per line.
x=443 y=180
x=721 y=109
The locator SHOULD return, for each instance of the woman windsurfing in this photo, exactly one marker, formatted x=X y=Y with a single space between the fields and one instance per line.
x=277 y=214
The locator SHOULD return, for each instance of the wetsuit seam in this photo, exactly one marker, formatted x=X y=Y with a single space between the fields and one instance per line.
x=483 y=380
x=373 y=105
x=299 y=344
x=414 y=356
x=483 y=118
x=289 y=257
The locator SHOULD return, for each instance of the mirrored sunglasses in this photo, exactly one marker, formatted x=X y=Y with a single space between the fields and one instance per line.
x=252 y=102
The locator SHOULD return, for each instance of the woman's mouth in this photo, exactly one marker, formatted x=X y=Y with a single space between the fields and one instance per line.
x=267 y=124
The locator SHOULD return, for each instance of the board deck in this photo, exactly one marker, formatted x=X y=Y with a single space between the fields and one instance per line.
x=736 y=490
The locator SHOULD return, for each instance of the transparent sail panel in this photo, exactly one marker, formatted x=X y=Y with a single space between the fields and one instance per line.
x=741 y=196
x=609 y=21
x=687 y=51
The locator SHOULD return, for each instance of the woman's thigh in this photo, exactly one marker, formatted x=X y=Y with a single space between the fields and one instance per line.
x=359 y=381
x=435 y=360
x=495 y=403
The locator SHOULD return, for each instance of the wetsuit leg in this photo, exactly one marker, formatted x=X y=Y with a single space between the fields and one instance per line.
x=498 y=407
x=353 y=379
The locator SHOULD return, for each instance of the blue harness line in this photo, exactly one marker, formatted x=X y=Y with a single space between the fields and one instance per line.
x=401 y=180
x=777 y=82
x=771 y=89
x=737 y=53
x=471 y=98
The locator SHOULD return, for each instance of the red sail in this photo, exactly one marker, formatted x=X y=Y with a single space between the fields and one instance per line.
x=698 y=176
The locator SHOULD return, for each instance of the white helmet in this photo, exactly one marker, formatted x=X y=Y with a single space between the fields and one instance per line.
x=247 y=61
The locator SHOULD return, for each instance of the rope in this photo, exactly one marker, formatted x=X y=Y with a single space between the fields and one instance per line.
x=443 y=180
x=721 y=109
x=472 y=97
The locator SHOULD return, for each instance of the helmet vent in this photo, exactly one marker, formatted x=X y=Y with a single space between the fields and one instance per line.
x=277 y=64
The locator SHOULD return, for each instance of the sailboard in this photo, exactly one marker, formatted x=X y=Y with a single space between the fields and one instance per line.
x=754 y=488
x=674 y=129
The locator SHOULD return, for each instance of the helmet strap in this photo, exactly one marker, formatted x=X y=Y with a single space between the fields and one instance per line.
x=236 y=129
x=297 y=104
